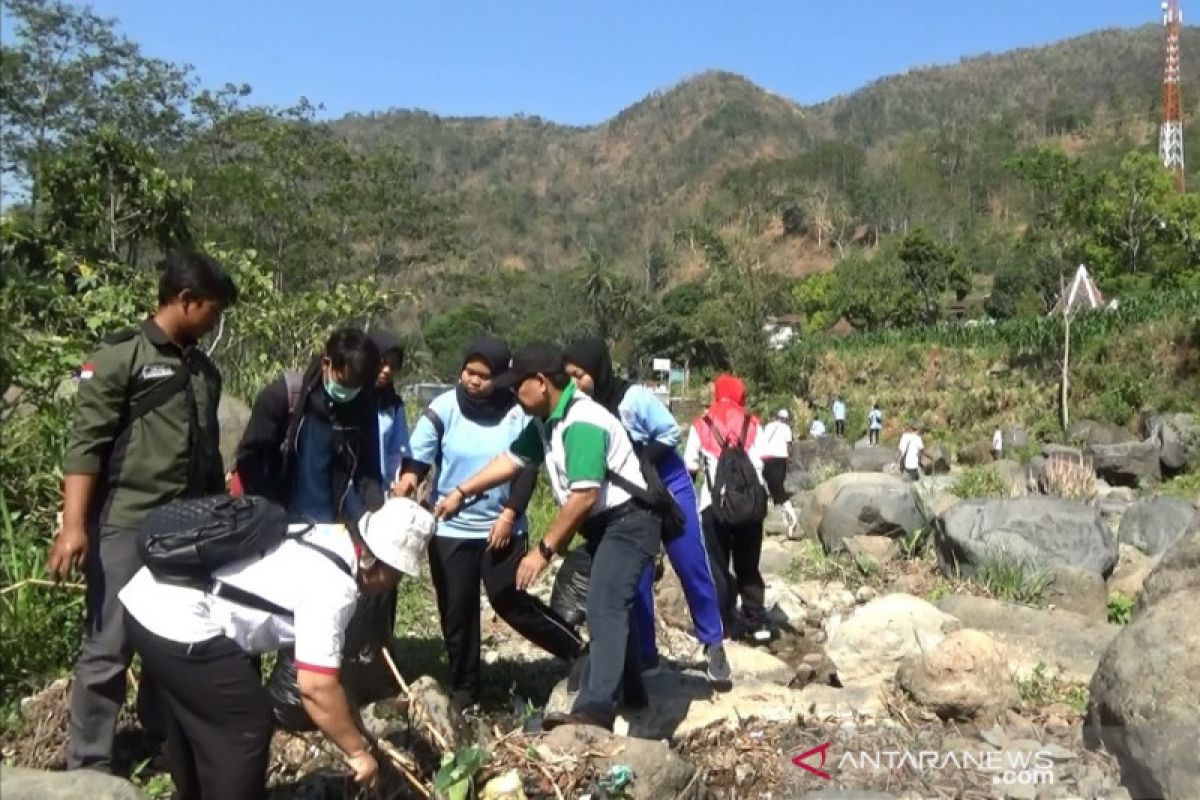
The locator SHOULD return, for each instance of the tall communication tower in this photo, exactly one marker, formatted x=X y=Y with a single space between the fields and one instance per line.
x=1170 y=137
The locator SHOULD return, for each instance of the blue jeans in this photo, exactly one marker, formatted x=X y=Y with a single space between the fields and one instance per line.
x=689 y=559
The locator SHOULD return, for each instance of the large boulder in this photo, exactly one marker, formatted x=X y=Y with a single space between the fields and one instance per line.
x=658 y=771
x=232 y=417
x=935 y=459
x=1079 y=591
x=1041 y=532
x=869 y=510
x=1145 y=700
x=1133 y=568
x=1089 y=432
x=872 y=458
x=1178 y=569
x=1178 y=440
x=1061 y=643
x=867 y=647
x=821 y=454
x=1154 y=525
x=1126 y=464
x=964 y=677
x=824 y=495
x=33 y=784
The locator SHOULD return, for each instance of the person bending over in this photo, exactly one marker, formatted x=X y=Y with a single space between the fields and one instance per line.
x=200 y=646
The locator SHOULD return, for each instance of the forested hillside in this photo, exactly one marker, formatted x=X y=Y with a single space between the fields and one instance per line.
x=926 y=147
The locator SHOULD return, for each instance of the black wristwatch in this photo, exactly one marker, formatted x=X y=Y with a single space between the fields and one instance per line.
x=546 y=551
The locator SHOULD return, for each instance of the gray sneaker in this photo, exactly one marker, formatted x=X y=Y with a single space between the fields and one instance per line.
x=718 y=672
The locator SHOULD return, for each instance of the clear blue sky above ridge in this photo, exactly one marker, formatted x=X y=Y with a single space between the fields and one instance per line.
x=582 y=61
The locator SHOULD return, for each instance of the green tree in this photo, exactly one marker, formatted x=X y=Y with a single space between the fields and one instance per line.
x=931 y=268
x=106 y=197
x=66 y=73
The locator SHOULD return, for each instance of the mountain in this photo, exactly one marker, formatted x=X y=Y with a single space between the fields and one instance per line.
x=927 y=146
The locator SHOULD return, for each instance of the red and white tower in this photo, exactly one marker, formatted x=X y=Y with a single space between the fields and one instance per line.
x=1170 y=137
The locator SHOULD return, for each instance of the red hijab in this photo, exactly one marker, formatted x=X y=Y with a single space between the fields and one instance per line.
x=728 y=413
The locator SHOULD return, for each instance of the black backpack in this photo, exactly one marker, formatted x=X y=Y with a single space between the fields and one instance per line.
x=186 y=540
x=738 y=497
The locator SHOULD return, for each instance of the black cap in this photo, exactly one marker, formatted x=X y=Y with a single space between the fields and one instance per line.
x=534 y=359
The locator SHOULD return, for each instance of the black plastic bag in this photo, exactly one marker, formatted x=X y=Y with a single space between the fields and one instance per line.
x=365 y=676
x=569 y=596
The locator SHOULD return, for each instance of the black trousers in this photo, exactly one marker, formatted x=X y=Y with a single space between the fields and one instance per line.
x=741 y=548
x=873 y=436
x=218 y=715
x=623 y=542
x=774 y=472
x=840 y=427
x=98 y=687
x=457 y=566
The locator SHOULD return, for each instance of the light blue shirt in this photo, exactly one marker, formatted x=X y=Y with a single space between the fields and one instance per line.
x=876 y=417
x=393 y=441
x=466 y=448
x=646 y=418
x=839 y=410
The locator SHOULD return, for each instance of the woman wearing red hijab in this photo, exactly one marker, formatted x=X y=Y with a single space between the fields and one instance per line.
x=733 y=528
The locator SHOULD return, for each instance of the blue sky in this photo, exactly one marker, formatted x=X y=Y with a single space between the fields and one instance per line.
x=581 y=61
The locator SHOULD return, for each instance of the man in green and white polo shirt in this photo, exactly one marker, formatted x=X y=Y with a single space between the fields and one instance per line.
x=582 y=445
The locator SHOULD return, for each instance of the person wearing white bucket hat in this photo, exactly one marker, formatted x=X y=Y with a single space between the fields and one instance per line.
x=202 y=644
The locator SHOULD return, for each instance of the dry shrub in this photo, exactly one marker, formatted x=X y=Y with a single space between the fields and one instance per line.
x=1069 y=477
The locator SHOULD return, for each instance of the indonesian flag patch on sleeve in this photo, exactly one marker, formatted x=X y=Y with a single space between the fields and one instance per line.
x=86 y=371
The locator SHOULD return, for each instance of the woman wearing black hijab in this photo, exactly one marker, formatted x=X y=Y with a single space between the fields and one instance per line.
x=655 y=435
x=457 y=435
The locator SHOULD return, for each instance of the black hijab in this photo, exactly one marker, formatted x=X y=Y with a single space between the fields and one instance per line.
x=593 y=357
x=491 y=409
x=387 y=342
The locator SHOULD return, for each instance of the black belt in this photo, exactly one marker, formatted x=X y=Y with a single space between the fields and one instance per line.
x=595 y=524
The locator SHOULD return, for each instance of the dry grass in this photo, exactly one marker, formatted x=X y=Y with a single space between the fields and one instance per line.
x=1069 y=477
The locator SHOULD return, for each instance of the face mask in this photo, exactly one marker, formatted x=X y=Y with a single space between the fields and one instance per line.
x=338 y=393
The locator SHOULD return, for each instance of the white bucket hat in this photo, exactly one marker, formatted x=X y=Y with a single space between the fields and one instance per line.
x=783 y=414
x=398 y=534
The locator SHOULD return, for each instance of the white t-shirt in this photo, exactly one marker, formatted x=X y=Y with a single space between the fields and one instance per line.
x=876 y=418
x=321 y=596
x=910 y=449
x=997 y=441
x=777 y=435
x=839 y=411
x=694 y=454
x=817 y=429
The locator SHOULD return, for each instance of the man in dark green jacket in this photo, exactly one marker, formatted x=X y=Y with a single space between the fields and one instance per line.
x=144 y=433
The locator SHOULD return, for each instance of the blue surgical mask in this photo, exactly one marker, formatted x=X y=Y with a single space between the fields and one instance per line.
x=338 y=393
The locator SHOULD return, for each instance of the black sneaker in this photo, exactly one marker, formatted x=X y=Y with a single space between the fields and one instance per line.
x=718 y=671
